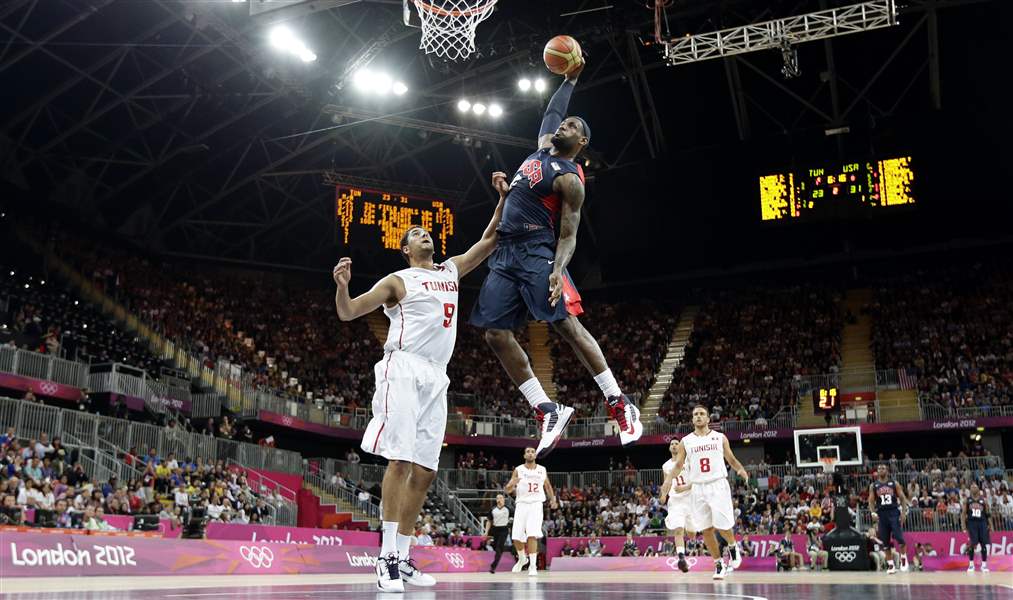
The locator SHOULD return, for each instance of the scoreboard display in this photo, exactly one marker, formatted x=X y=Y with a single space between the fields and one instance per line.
x=825 y=400
x=374 y=218
x=838 y=190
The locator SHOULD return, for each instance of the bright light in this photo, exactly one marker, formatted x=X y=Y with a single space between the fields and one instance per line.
x=307 y=56
x=75 y=302
x=495 y=110
x=382 y=83
x=539 y=85
x=85 y=326
x=399 y=88
x=478 y=108
x=363 y=79
x=524 y=84
x=238 y=1
x=282 y=38
x=462 y=105
x=43 y=282
x=26 y=286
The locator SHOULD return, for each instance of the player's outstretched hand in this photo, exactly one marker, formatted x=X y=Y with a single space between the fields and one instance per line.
x=555 y=287
x=343 y=272
x=576 y=71
x=499 y=183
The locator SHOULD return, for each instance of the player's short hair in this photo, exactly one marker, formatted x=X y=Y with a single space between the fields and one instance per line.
x=404 y=242
x=705 y=409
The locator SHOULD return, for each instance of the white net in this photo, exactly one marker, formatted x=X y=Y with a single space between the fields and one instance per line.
x=448 y=26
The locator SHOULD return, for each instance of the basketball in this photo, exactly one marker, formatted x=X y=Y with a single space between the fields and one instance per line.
x=562 y=54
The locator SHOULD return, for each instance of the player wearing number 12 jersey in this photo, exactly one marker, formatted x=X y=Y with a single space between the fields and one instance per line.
x=703 y=453
x=531 y=481
x=410 y=401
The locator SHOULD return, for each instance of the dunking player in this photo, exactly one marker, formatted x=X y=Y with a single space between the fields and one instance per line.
x=677 y=490
x=885 y=495
x=527 y=271
x=975 y=514
x=532 y=484
x=410 y=402
x=706 y=452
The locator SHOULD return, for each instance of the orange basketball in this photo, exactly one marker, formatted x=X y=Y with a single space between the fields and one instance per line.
x=562 y=54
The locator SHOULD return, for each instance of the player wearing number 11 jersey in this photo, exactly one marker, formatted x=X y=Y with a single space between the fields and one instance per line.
x=410 y=401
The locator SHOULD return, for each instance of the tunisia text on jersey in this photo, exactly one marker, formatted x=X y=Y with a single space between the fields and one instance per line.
x=679 y=480
x=424 y=322
x=705 y=456
x=531 y=204
x=531 y=483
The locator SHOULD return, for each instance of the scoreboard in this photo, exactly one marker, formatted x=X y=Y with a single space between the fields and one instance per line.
x=372 y=218
x=825 y=400
x=837 y=190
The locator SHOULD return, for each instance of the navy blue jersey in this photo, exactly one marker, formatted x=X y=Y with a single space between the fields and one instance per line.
x=531 y=204
x=886 y=495
x=977 y=510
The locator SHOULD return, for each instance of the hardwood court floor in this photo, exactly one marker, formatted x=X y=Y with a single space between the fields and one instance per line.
x=740 y=585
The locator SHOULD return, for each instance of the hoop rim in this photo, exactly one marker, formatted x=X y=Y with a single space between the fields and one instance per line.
x=828 y=463
x=442 y=12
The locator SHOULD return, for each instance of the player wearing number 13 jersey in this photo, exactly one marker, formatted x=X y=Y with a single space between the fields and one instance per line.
x=703 y=453
x=410 y=401
x=888 y=500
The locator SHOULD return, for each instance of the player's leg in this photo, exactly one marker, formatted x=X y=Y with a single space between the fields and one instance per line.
x=700 y=507
x=898 y=536
x=885 y=532
x=723 y=518
x=533 y=529
x=498 y=537
x=985 y=539
x=972 y=543
x=532 y=548
x=519 y=536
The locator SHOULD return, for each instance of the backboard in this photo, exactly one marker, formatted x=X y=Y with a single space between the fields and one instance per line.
x=842 y=443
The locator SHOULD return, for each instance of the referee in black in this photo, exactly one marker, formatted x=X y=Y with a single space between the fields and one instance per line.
x=497 y=526
x=975 y=513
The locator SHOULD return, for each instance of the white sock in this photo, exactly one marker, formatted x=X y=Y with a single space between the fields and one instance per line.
x=680 y=550
x=389 y=538
x=533 y=392
x=522 y=556
x=404 y=543
x=607 y=382
x=534 y=562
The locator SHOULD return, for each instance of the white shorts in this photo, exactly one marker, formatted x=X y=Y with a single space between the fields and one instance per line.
x=409 y=410
x=712 y=505
x=527 y=520
x=680 y=514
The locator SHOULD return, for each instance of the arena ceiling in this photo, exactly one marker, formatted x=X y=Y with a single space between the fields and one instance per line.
x=174 y=122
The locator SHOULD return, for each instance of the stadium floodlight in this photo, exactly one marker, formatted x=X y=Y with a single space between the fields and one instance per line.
x=399 y=88
x=495 y=110
x=462 y=105
x=306 y=56
x=478 y=108
x=540 y=85
x=524 y=84
x=238 y=1
x=363 y=79
x=283 y=39
x=382 y=83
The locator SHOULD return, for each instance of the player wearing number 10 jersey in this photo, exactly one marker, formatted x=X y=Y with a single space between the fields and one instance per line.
x=703 y=453
x=410 y=401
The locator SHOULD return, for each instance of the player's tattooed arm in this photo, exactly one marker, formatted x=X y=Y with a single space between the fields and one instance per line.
x=570 y=189
x=388 y=291
x=481 y=249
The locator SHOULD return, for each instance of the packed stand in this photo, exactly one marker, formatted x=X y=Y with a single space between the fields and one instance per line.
x=633 y=336
x=749 y=347
x=478 y=381
x=49 y=479
x=952 y=328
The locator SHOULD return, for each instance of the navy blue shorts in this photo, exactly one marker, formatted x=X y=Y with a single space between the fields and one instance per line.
x=977 y=531
x=518 y=284
x=889 y=525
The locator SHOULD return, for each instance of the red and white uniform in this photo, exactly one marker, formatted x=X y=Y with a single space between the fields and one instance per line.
x=410 y=401
x=530 y=502
x=679 y=503
x=711 y=496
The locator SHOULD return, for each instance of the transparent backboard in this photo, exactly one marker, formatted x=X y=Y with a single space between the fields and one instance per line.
x=842 y=443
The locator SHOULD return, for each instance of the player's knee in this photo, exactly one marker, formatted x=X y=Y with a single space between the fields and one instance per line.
x=498 y=339
x=569 y=328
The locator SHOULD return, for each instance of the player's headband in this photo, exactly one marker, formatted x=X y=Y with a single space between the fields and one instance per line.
x=587 y=129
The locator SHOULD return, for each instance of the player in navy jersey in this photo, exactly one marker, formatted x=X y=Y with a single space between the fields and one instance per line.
x=889 y=504
x=527 y=271
x=975 y=514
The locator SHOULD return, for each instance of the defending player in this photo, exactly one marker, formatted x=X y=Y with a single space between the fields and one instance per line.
x=974 y=512
x=676 y=491
x=706 y=452
x=885 y=495
x=531 y=481
x=527 y=271
x=410 y=402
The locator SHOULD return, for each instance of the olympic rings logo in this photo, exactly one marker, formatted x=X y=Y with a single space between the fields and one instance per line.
x=259 y=557
x=845 y=556
x=48 y=388
x=673 y=562
x=454 y=559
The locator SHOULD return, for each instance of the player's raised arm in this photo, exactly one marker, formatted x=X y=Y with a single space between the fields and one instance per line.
x=555 y=112
x=570 y=189
x=388 y=290
x=512 y=484
x=734 y=462
x=481 y=249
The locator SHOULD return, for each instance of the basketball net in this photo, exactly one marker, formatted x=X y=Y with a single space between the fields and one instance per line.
x=448 y=26
x=829 y=464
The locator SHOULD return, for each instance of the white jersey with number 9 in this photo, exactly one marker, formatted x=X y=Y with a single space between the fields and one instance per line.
x=705 y=457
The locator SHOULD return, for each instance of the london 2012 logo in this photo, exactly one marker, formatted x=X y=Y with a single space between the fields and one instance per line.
x=259 y=557
x=455 y=559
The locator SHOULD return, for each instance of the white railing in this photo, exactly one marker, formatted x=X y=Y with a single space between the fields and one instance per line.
x=42 y=366
x=931 y=410
x=349 y=494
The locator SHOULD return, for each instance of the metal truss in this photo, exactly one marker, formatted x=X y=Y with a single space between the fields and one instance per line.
x=819 y=25
x=331 y=177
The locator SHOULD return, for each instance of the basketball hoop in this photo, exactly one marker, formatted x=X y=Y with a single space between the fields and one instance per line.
x=829 y=464
x=448 y=26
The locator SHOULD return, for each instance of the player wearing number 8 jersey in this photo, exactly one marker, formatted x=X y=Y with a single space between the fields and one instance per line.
x=531 y=481
x=703 y=453
x=410 y=401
